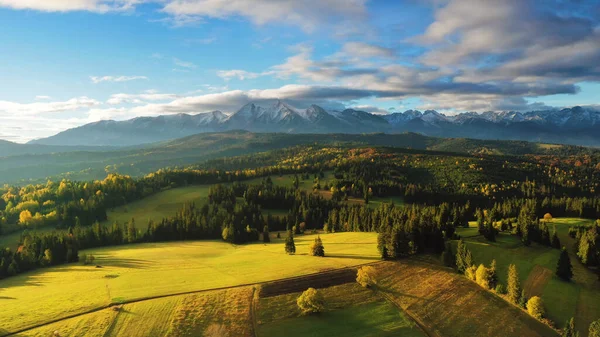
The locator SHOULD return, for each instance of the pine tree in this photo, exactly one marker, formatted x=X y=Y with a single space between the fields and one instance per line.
x=555 y=240
x=514 y=285
x=290 y=246
x=316 y=249
x=493 y=275
x=523 y=300
x=266 y=237
x=564 y=269
x=569 y=330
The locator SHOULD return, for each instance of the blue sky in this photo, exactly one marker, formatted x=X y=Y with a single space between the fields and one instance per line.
x=64 y=63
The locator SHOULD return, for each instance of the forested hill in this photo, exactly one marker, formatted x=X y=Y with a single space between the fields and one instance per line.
x=37 y=164
x=11 y=149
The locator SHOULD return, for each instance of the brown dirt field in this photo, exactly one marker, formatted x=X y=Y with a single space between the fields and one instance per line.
x=536 y=281
x=323 y=280
x=447 y=304
x=224 y=313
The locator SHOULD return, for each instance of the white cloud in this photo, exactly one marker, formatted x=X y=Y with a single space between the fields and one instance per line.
x=372 y=109
x=100 y=6
x=184 y=64
x=236 y=73
x=42 y=98
x=22 y=109
x=150 y=95
x=366 y=50
x=99 y=79
x=307 y=14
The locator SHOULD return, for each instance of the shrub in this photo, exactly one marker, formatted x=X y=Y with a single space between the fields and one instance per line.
x=482 y=276
x=366 y=276
x=471 y=273
x=316 y=248
x=500 y=289
x=311 y=302
x=594 y=329
x=535 y=307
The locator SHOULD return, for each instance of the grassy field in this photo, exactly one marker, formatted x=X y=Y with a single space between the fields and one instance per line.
x=350 y=311
x=160 y=205
x=212 y=313
x=172 y=268
x=536 y=266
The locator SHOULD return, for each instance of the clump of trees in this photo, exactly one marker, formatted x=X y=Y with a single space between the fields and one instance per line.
x=366 y=276
x=311 y=302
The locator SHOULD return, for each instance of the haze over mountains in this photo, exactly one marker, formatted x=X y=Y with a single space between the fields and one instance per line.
x=577 y=125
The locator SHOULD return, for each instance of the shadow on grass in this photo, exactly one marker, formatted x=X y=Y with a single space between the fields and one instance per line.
x=355 y=257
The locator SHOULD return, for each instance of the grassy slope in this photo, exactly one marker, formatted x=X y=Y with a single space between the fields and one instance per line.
x=222 y=311
x=447 y=304
x=173 y=267
x=563 y=300
x=351 y=311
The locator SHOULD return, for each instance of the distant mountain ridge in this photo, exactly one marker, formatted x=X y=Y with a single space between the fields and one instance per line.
x=577 y=125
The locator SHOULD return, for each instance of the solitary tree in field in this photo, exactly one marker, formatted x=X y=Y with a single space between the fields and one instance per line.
x=366 y=276
x=564 y=269
x=535 y=307
x=266 y=237
x=569 y=330
x=311 y=302
x=290 y=246
x=316 y=249
x=594 y=329
x=548 y=217
x=514 y=285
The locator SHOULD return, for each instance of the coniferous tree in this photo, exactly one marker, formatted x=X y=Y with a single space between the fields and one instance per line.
x=266 y=237
x=564 y=269
x=555 y=241
x=290 y=246
x=514 y=285
x=493 y=275
x=316 y=249
x=523 y=300
x=569 y=330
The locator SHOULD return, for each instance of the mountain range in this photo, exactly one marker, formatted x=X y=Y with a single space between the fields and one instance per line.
x=576 y=125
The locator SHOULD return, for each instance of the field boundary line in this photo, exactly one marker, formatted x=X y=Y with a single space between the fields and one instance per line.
x=417 y=321
x=253 y=312
x=142 y=299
